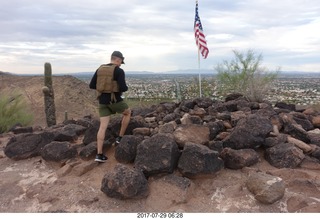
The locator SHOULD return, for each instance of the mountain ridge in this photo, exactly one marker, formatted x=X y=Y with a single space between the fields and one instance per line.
x=185 y=71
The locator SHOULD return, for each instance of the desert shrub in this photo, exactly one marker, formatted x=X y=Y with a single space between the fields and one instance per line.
x=192 y=90
x=245 y=75
x=13 y=110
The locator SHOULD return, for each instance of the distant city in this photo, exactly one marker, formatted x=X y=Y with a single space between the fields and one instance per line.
x=301 y=88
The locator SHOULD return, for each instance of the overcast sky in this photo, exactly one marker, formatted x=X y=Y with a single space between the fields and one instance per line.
x=156 y=35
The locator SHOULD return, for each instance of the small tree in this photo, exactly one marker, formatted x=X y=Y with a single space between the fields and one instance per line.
x=245 y=75
x=13 y=111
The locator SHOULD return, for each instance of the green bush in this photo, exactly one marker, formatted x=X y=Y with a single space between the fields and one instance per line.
x=245 y=75
x=13 y=110
x=192 y=90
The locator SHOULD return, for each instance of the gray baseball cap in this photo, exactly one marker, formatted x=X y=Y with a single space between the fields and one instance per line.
x=119 y=55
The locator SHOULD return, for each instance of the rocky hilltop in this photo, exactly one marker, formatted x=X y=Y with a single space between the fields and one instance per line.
x=267 y=158
x=197 y=155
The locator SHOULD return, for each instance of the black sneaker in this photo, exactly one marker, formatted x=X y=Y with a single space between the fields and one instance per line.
x=118 y=139
x=100 y=158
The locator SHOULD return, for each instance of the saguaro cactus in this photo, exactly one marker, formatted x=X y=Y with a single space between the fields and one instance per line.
x=49 y=96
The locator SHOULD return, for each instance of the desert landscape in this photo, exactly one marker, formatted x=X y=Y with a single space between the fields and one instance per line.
x=34 y=185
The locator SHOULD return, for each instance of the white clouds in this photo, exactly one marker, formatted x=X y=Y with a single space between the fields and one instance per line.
x=155 y=35
x=285 y=32
x=303 y=38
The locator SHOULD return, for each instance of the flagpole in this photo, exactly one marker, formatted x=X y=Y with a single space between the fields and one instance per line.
x=200 y=93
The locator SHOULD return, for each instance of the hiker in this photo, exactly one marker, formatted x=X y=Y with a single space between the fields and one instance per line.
x=109 y=81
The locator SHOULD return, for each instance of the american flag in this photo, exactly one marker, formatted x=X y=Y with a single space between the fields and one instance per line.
x=198 y=33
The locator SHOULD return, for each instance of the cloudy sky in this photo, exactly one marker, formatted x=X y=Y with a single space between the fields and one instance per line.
x=156 y=35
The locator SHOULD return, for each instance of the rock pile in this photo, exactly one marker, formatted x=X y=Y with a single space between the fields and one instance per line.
x=193 y=138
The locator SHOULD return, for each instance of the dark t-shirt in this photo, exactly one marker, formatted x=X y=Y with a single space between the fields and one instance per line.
x=119 y=76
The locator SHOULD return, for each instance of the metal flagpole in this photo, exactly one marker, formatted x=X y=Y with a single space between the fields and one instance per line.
x=198 y=45
x=200 y=93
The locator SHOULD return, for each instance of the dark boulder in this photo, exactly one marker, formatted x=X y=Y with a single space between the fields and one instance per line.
x=274 y=140
x=25 y=146
x=58 y=151
x=158 y=154
x=198 y=160
x=125 y=183
x=302 y=120
x=115 y=125
x=284 y=155
x=233 y=96
x=88 y=151
x=215 y=128
x=250 y=132
x=237 y=159
x=186 y=105
x=126 y=150
x=297 y=132
x=282 y=105
x=203 y=102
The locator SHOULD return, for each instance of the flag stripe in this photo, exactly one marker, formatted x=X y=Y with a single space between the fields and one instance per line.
x=199 y=35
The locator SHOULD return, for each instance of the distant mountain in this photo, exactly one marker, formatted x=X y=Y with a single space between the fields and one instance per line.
x=187 y=71
x=299 y=74
x=181 y=71
x=86 y=74
x=5 y=73
x=191 y=71
x=140 y=72
x=194 y=71
x=77 y=74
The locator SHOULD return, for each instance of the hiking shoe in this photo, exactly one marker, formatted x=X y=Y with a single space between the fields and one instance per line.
x=118 y=139
x=100 y=158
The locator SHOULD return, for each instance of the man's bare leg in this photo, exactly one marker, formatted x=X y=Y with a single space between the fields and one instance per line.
x=104 y=121
x=125 y=121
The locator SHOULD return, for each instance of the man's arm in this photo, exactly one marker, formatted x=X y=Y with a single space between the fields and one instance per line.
x=122 y=81
x=93 y=82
